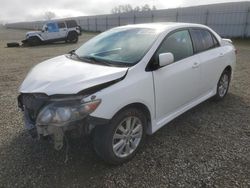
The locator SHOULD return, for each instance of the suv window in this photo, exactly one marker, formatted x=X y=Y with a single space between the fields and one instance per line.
x=203 y=40
x=71 y=23
x=179 y=44
x=52 y=27
x=61 y=25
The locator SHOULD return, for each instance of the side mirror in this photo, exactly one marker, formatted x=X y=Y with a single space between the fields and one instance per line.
x=165 y=59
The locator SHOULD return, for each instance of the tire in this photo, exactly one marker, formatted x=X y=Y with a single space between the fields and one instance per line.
x=223 y=85
x=13 y=44
x=72 y=37
x=34 y=41
x=116 y=143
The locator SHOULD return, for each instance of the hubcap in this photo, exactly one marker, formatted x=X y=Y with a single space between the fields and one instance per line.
x=127 y=136
x=223 y=85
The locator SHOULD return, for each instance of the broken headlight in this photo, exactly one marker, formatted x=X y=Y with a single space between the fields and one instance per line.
x=63 y=112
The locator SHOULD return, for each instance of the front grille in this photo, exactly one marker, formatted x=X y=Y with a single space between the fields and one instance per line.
x=32 y=103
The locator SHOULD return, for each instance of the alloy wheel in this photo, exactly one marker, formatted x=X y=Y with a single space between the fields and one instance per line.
x=127 y=136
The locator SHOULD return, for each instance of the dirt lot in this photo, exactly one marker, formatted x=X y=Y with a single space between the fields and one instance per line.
x=209 y=146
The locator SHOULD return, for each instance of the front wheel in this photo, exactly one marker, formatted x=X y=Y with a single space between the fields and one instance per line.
x=34 y=41
x=119 y=141
x=223 y=85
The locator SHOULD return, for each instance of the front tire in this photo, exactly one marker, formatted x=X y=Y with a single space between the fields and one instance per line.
x=119 y=141
x=223 y=85
x=34 y=41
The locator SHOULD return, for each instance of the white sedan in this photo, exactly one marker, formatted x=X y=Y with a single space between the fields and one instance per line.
x=126 y=83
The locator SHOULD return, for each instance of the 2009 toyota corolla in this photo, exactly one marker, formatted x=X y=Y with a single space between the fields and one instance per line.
x=126 y=83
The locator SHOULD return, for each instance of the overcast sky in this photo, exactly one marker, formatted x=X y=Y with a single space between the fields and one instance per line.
x=27 y=10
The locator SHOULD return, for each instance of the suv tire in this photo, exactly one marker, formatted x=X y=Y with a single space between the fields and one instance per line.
x=119 y=141
x=34 y=41
x=72 y=37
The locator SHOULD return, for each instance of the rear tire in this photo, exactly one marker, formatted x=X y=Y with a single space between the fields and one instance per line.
x=72 y=37
x=223 y=85
x=119 y=141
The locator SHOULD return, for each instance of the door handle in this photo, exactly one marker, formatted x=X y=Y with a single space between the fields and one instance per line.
x=195 y=65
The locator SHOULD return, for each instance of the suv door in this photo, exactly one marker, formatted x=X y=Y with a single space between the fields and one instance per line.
x=62 y=29
x=176 y=84
x=52 y=31
x=211 y=58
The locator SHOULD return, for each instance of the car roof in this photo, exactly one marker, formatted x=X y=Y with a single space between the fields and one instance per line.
x=164 y=25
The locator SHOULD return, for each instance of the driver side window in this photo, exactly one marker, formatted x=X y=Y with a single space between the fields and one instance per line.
x=52 y=27
x=179 y=44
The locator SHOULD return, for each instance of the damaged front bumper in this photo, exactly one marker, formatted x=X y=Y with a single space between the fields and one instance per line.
x=36 y=105
x=55 y=132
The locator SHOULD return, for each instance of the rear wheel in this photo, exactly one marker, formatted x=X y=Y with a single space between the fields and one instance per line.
x=72 y=37
x=223 y=85
x=119 y=141
x=34 y=41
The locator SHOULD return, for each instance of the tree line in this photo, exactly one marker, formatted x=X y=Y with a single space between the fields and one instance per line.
x=129 y=8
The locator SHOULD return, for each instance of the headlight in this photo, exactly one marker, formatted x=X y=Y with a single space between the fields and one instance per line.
x=61 y=113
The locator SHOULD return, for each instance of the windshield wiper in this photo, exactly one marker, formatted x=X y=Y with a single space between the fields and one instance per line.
x=73 y=53
x=96 y=60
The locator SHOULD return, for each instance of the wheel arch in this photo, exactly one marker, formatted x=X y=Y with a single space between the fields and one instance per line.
x=229 y=69
x=36 y=36
x=142 y=107
x=72 y=31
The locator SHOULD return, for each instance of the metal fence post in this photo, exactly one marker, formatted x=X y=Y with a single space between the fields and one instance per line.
x=88 y=23
x=134 y=18
x=152 y=16
x=177 y=15
x=96 y=24
x=119 y=20
x=207 y=15
x=106 y=22
x=246 y=23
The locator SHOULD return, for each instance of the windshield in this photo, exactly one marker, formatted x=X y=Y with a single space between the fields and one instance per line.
x=120 y=46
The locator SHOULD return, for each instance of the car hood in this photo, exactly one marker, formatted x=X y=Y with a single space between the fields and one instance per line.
x=62 y=75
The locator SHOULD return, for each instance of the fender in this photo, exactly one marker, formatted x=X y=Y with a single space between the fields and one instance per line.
x=36 y=35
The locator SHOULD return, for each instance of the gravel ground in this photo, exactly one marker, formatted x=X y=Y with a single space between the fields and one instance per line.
x=208 y=146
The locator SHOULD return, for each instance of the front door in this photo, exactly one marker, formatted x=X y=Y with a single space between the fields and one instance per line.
x=51 y=32
x=176 y=84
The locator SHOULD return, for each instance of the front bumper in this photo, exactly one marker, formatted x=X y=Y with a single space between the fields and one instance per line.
x=31 y=104
x=78 y=128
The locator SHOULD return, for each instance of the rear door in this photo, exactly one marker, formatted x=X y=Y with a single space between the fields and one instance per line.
x=62 y=29
x=211 y=57
x=176 y=84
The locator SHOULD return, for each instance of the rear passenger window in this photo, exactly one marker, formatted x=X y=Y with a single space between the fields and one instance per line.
x=61 y=25
x=179 y=44
x=71 y=23
x=203 y=40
